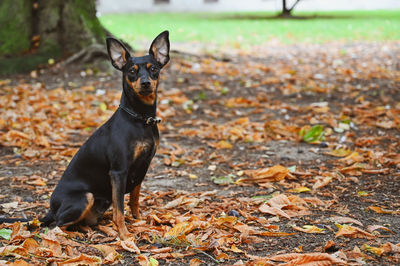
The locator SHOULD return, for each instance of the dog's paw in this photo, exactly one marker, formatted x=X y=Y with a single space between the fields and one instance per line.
x=136 y=216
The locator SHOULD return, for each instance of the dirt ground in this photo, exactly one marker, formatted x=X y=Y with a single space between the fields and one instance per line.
x=228 y=118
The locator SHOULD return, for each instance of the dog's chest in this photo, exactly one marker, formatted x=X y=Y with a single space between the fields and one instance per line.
x=142 y=154
x=142 y=149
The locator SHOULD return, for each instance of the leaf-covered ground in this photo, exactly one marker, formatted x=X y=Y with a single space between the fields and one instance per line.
x=285 y=154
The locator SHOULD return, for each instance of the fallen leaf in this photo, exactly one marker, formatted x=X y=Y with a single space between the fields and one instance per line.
x=9 y=205
x=374 y=250
x=108 y=230
x=130 y=245
x=179 y=229
x=5 y=233
x=372 y=228
x=382 y=210
x=352 y=232
x=362 y=193
x=82 y=259
x=273 y=211
x=339 y=152
x=310 y=229
x=274 y=173
x=313 y=135
x=143 y=260
x=345 y=220
x=235 y=249
x=153 y=262
x=284 y=206
x=18 y=263
x=274 y=234
x=223 y=145
x=299 y=189
x=307 y=259
x=322 y=182
x=195 y=262
x=222 y=180
x=330 y=244
x=391 y=248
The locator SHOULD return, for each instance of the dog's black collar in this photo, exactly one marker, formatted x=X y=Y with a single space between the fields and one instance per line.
x=149 y=121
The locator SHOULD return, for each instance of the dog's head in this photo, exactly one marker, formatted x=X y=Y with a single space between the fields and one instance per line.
x=141 y=74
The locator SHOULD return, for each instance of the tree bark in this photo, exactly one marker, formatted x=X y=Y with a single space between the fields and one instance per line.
x=286 y=11
x=34 y=31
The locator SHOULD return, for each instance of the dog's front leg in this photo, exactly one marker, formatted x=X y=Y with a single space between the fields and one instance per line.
x=134 y=202
x=118 y=183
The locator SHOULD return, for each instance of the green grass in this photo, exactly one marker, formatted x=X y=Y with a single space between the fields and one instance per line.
x=254 y=28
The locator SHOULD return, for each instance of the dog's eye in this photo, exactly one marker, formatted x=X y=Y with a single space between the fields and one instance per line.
x=153 y=69
x=132 y=71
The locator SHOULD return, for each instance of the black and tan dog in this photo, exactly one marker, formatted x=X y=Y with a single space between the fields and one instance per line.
x=115 y=159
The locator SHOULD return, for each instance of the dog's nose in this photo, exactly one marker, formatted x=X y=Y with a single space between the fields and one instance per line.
x=145 y=84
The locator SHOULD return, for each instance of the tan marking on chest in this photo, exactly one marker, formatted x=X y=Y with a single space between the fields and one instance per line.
x=140 y=148
x=157 y=143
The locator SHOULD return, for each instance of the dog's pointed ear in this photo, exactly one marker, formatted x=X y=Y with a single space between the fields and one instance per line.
x=159 y=48
x=119 y=55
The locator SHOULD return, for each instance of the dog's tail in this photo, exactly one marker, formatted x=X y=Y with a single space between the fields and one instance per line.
x=48 y=219
x=13 y=220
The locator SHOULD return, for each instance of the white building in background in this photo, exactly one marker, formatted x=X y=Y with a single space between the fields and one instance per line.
x=128 y=6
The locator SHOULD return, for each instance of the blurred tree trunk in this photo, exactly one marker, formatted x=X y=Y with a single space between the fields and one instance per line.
x=33 y=31
x=287 y=11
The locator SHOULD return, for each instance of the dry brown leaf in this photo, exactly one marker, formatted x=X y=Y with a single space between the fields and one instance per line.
x=375 y=250
x=372 y=228
x=31 y=245
x=222 y=144
x=273 y=211
x=109 y=253
x=222 y=256
x=279 y=201
x=174 y=203
x=130 y=245
x=329 y=244
x=179 y=229
x=19 y=232
x=108 y=230
x=17 y=263
x=274 y=173
x=143 y=260
x=345 y=220
x=310 y=229
x=274 y=234
x=161 y=250
x=382 y=210
x=235 y=249
x=82 y=259
x=260 y=262
x=284 y=206
x=195 y=262
x=391 y=248
x=353 y=232
x=52 y=245
x=104 y=249
x=322 y=181
x=315 y=259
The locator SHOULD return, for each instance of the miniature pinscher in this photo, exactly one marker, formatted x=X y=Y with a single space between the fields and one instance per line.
x=115 y=159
